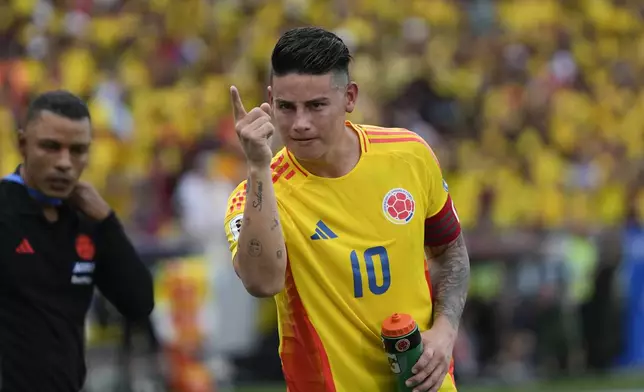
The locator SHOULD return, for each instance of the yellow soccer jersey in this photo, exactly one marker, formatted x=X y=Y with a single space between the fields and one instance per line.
x=355 y=248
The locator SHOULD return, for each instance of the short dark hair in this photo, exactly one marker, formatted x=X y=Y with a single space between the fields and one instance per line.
x=60 y=102
x=310 y=51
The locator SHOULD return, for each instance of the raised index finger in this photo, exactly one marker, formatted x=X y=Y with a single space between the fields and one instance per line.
x=238 y=107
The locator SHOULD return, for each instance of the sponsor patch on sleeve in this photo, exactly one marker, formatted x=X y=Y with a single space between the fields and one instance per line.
x=235 y=226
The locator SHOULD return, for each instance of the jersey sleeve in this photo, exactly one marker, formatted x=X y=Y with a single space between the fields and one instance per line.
x=235 y=216
x=442 y=225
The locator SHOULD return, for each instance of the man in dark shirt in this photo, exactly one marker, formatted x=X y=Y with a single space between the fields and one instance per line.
x=58 y=239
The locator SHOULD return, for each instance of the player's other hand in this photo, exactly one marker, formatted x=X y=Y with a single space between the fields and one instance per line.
x=254 y=129
x=86 y=198
x=434 y=363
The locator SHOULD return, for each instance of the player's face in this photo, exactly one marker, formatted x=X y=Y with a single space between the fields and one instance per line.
x=309 y=111
x=55 y=151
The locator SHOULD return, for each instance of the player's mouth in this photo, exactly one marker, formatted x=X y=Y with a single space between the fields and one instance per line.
x=59 y=184
x=304 y=140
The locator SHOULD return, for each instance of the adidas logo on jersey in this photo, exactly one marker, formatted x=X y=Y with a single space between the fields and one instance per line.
x=322 y=232
x=24 y=248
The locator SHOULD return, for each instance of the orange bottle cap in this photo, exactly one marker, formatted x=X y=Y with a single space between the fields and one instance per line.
x=398 y=324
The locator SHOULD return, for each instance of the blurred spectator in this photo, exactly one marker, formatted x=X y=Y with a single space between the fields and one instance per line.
x=202 y=194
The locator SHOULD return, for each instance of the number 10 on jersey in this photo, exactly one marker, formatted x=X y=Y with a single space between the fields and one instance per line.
x=371 y=259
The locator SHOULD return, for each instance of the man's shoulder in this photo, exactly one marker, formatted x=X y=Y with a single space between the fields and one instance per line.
x=286 y=172
x=237 y=199
x=7 y=198
x=382 y=139
x=395 y=144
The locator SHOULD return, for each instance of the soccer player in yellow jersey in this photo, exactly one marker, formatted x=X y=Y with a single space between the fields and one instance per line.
x=337 y=224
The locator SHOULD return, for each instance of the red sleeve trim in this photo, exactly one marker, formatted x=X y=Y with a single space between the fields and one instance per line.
x=444 y=227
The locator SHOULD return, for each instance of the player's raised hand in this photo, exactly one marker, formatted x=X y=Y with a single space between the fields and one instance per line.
x=254 y=129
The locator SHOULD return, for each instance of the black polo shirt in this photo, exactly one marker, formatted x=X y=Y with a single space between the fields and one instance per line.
x=48 y=272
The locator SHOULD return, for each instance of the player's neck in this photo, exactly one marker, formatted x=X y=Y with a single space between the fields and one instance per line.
x=26 y=177
x=339 y=161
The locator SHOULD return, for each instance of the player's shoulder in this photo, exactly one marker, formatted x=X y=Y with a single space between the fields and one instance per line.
x=9 y=216
x=395 y=141
x=286 y=172
x=8 y=194
x=237 y=198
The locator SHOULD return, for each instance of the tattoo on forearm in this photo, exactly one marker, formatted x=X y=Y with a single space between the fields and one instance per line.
x=450 y=276
x=255 y=247
x=279 y=254
x=275 y=224
x=259 y=196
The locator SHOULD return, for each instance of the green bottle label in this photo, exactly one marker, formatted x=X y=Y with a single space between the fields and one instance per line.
x=403 y=352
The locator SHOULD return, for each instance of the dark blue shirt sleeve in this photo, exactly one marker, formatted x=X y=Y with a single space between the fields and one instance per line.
x=120 y=274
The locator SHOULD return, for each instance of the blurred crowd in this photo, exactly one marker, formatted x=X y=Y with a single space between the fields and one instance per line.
x=534 y=107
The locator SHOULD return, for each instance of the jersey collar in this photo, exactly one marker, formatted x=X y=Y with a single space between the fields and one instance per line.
x=362 y=140
x=29 y=200
x=362 y=136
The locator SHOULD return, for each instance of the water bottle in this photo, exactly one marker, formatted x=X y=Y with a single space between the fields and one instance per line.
x=403 y=345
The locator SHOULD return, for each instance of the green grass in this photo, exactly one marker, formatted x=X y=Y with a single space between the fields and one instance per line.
x=629 y=382
x=587 y=383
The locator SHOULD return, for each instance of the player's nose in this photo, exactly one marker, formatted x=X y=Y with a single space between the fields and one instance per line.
x=302 y=123
x=63 y=162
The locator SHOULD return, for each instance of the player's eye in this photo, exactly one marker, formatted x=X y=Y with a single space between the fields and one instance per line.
x=284 y=106
x=49 y=145
x=79 y=149
x=317 y=105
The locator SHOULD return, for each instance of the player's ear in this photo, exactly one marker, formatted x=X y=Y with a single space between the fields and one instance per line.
x=351 y=97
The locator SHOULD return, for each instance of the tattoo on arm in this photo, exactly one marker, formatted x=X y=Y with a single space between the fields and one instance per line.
x=259 y=196
x=254 y=247
x=450 y=276
x=279 y=254
x=275 y=224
